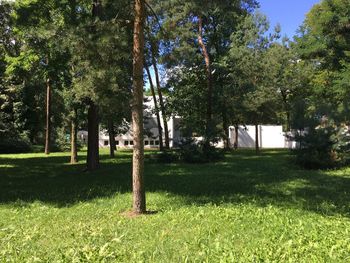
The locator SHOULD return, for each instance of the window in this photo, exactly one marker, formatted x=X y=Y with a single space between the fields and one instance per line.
x=146 y=142
x=105 y=143
x=157 y=142
x=126 y=143
x=131 y=143
x=151 y=142
x=116 y=142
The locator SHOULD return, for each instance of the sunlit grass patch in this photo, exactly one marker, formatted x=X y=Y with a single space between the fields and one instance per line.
x=243 y=209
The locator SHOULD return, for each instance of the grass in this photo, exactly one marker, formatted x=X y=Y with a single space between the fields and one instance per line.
x=243 y=209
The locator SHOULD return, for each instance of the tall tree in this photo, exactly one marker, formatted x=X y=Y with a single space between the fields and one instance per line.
x=92 y=158
x=74 y=137
x=198 y=36
x=156 y=109
x=324 y=42
x=139 y=196
x=48 y=115
x=160 y=96
x=249 y=66
x=154 y=39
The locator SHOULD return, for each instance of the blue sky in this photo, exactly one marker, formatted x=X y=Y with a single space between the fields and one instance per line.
x=289 y=13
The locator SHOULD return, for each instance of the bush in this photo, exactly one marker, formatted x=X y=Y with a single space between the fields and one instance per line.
x=197 y=152
x=62 y=141
x=323 y=147
x=14 y=143
x=165 y=157
x=189 y=151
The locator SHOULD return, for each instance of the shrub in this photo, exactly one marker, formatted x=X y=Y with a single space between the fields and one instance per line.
x=165 y=157
x=14 y=143
x=197 y=152
x=324 y=147
x=62 y=141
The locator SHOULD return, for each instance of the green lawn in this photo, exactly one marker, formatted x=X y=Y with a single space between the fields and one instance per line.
x=243 y=209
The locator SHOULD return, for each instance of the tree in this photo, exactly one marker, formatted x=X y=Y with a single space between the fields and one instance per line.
x=156 y=109
x=324 y=42
x=40 y=62
x=198 y=37
x=250 y=64
x=139 y=197
x=154 y=34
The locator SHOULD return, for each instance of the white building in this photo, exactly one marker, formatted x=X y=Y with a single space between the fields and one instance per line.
x=151 y=127
x=270 y=136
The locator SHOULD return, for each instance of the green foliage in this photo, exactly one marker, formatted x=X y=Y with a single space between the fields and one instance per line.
x=83 y=58
x=183 y=58
x=192 y=151
x=324 y=147
x=324 y=43
x=243 y=209
x=14 y=143
x=11 y=141
x=62 y=142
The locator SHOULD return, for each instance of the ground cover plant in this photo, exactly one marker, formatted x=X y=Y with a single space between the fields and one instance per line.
x=245 y=208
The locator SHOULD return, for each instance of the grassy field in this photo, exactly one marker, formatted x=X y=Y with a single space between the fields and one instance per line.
x=243 y=209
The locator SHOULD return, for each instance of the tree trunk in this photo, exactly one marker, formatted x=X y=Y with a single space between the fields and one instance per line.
x=288 y=120
x=160 y=131
x=139 y=196
x=209 y=77
x=235 y=145
x=286 y=107
x=48 y=117
x=73 y=138
x=160 y=95
x=226 y=130
x=92 y=160
x=257 y=138
x=111 y=135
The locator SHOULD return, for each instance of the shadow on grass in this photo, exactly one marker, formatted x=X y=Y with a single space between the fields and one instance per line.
x=242 y=177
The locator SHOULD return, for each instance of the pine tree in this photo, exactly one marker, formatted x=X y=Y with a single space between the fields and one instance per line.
x=139 y=197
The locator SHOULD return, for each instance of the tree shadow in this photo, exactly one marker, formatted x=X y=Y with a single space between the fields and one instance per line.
x=270 y=178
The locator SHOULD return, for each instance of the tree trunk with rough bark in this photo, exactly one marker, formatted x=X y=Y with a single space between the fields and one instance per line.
x=160 y=130
x=48 y=117
x=73 y=138
x=257 y=138
x=235 y=145
x=111 y=134
x=93 y=160
x=139 y=196
x=205 y=54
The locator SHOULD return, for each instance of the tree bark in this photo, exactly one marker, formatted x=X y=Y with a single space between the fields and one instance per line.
x=160 y=95
x=257 y=138
x=73 y=139
x=111 y=135
x=286 y=108
x=93 y=161
x=235 y=145
x=160 y=131
x=48 y=117
x=226 y=130
x=139 y=196
x=209 y=76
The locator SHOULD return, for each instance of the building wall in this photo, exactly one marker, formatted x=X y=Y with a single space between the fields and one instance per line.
x=151 y=140
x=270 y=136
